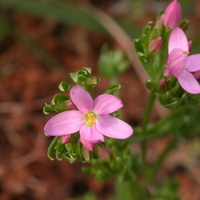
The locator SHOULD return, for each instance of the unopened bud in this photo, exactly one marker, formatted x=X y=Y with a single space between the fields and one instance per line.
x=190 y=45
x=103 y=153
x=66 y=139
x=70 y=105
x=160 y=21
x=155 y=45
x=163 y=84
x=197 y=75
x=173 y=14
x=87 y=145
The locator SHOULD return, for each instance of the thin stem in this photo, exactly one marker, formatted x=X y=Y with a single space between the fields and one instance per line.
x=171 y=144
x=147 y=115
x=161 y=128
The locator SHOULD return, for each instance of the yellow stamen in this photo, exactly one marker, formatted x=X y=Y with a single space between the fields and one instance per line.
x=186 y=52
x=90 y=118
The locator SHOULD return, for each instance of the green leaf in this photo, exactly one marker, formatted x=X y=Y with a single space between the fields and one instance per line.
x=59 y=98
x=85 y=72
x=52 y=148
x=65 y=12
x=64 y=86
x=60 y=150
x=112 y=64
x=113 y=89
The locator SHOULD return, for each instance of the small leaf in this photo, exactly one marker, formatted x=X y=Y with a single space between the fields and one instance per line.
x=113 y=89
x=52 y=148
x=59 y=98
x=60 y=150
x=64 y=86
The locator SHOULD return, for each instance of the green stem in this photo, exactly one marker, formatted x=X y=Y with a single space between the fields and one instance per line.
x=148 y=109
x=169 y=147
x=161 y=128
x=147 y=115
x=171 y=144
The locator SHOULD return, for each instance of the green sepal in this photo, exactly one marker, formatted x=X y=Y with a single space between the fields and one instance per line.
x=64 y=86
x=184 y=24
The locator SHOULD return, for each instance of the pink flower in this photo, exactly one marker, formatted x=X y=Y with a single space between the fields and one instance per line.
x=92 y=118
x=156 y=45
x=180 y=65
x=172 y=14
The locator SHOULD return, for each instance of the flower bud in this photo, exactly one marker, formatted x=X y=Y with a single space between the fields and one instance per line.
x=163 y=84
x=87 y=145
x=190 y=45
x=66 y=139
x=104 y=153
x=173 y=14
x=159 y=23
x=70 y=105
x=155 y=45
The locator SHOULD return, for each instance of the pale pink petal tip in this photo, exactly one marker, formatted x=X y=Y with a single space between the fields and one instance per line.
x=189 y=83
x=113 y=127
x=81 y=98
x=64 y=123
x=106 y=103
x=178 y=40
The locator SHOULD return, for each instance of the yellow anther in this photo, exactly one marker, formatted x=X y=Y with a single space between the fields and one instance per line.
x=90 y=118
x=186 y=52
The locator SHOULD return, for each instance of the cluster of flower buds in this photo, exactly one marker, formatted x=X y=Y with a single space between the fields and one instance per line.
x=173 y=71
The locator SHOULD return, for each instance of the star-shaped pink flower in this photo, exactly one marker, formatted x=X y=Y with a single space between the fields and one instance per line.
x=92 y=119
x=180 y=64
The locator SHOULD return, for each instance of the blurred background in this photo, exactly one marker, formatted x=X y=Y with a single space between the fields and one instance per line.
x=41 y=41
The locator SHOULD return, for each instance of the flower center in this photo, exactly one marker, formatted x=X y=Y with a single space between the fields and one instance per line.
x=90 y=118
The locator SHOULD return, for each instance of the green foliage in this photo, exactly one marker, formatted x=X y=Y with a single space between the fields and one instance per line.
x=168 y=191
x=113 y=89
x=64 y=12
x=58 y=104
x=83 y=78
x=112 y=64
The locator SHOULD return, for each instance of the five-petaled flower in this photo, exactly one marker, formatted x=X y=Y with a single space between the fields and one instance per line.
x=92 y=119
x=180 y=64
x=172 y=14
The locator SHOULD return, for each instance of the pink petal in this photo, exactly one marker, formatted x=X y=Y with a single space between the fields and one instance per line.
x=189 y=83
x=81 y=98
x=178 y=40
x=113 y=127
x=64 y=123
x=88 y=145
x=193 y=63
x=173 y=14
x=91 y=134
x=176 y=62
x=106 y=103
